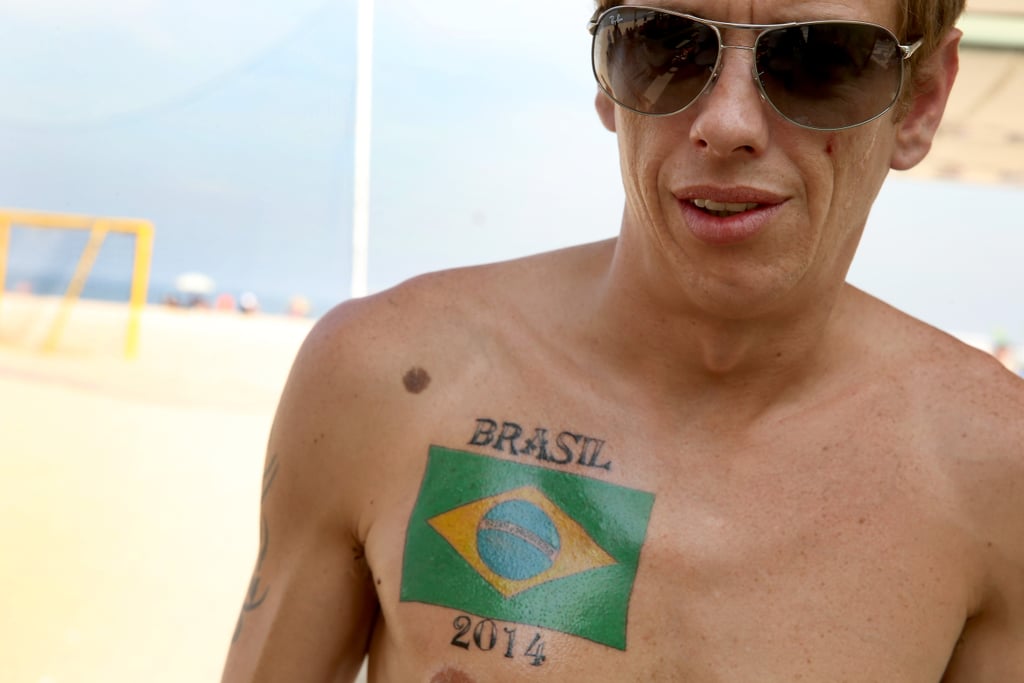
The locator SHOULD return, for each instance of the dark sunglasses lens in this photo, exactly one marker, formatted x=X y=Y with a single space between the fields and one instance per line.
x=830 y=75
x=653 y=62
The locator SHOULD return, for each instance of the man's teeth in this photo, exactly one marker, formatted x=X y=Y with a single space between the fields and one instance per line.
x=723 y=208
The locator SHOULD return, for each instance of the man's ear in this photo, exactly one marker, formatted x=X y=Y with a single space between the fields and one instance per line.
x=605 y=110
x=932 y=83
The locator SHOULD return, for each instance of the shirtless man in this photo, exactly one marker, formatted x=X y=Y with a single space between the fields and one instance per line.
x=692 y=453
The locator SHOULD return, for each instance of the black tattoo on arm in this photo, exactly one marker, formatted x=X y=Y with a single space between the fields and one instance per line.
x=268 y=476
x=254 y=597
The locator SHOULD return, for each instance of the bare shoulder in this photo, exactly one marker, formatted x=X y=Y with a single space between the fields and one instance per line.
x=416 y=310
x=966 y=412
x=972 y=407
x=375 y=369
x=437 y=315
x=974 y=401
x=976 y=411
x=955 y=387
x=960 y=405
x=362 y=365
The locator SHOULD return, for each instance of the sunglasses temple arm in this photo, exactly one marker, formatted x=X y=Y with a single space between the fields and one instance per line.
x=909 y=50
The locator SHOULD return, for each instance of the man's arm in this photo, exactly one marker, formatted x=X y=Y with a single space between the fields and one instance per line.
x=310 y=604
x=991 y=647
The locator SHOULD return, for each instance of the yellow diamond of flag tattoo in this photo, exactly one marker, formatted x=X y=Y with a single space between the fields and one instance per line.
x=525 y=544
x=519 y=539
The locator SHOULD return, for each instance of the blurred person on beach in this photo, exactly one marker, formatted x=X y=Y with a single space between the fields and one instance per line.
x=225 y=302
x=299 y=306
x=690 y=453
x=248 y=302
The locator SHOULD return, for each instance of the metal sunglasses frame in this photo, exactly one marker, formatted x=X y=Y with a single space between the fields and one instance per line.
x=717 y=26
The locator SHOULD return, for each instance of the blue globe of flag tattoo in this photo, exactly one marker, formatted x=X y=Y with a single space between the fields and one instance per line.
x=517 y=540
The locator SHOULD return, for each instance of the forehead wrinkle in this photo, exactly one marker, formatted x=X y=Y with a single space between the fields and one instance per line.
x=776 y=12
x=700 y=9
x=682 y=7
x=830 y=9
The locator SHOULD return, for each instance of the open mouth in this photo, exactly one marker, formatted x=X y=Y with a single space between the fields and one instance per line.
x=723 y=209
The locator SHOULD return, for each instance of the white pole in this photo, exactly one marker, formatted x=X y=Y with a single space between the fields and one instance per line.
x=364 y=117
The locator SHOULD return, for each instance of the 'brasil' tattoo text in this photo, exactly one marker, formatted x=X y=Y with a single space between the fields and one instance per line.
x=566 y=448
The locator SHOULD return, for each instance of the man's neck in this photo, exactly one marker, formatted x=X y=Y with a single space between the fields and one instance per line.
x=677 y=352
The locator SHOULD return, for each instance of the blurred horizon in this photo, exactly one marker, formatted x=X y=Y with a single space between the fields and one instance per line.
x=233 y=134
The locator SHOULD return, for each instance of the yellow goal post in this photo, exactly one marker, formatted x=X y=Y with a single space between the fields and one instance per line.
x=98 y=227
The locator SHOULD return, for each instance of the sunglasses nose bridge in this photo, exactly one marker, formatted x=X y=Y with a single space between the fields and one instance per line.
x=720 y=66
x=722 y=47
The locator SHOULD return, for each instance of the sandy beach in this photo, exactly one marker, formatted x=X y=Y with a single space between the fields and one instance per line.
x=129 y=489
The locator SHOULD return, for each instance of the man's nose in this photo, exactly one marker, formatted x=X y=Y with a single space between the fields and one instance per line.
x=731 y=113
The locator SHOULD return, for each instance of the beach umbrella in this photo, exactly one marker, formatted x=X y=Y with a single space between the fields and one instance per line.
x=199 y=284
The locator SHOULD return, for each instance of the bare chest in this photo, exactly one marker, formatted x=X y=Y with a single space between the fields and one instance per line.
x=549 y=552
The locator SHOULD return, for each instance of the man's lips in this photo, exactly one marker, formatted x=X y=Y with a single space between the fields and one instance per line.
x=728 y=198
x=724 y=209
x=721 y=216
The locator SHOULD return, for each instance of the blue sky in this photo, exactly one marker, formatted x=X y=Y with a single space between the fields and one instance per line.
x=229 y=124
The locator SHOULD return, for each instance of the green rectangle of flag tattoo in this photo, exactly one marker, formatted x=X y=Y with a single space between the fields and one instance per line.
x=525 y=544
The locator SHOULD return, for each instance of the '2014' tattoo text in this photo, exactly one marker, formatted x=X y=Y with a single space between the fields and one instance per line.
x=568 y=447
x=485 y=636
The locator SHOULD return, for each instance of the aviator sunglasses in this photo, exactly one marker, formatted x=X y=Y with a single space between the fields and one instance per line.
x=823 y=75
